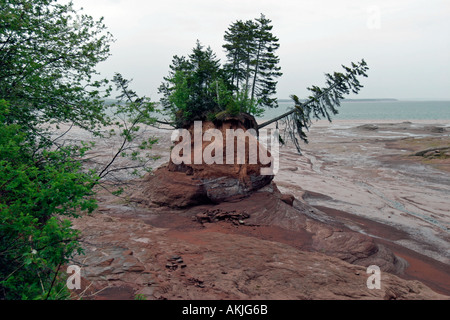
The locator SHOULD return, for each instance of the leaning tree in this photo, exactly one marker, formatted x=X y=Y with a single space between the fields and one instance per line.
x=322 y=103
x=198 y=88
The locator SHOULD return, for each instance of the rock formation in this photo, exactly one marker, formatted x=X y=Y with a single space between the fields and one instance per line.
x=181 y=185
x=126 y=255
x=239 y=190
x=224 y=231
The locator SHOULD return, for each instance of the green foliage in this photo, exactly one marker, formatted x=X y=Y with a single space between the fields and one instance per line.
x=47 y=64
x=322 y=103
x=35 y=194
x=195 y=88
x=130 y=111
x=251 y=61
x=198 y=88
x=239 y=45
x=48 y=55
x=140 y=297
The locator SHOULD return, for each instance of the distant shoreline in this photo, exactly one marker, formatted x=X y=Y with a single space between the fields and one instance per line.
x=381 y=109
x=350 y=100
x=370 y=100
x=356 y=122
x=112 y=101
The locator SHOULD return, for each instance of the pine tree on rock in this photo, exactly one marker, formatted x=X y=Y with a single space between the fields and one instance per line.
x=252 y=64
x=193 y=87
x=266 y=67
x=198 y=88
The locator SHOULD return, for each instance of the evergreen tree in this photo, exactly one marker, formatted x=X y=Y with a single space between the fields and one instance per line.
x=321 y=104
x=251 y=61
x=240 y=48
x=176 y=78
x=197 y=88
x=266 y=67
x=194 y=87
x=234 y=52
x=205 y=70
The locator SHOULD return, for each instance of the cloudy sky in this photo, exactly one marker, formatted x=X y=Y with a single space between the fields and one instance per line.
x=406 y=43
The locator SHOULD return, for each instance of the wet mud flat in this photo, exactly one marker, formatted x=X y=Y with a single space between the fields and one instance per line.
x=365 y=175
x=392 y=177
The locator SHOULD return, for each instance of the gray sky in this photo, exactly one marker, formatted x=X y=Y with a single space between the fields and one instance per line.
x=406 y=43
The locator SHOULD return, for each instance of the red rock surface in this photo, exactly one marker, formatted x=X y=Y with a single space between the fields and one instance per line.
x=206 y=232
x=181 y=185
x=278 y=252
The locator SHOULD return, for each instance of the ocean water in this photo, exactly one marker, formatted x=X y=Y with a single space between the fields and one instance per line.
x=380 y=110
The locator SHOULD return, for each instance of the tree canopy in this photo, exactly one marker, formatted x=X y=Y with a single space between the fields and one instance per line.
x=199 y=88
x=48 y=58
x=194 y=87
x=323 y=102
x=251 y=60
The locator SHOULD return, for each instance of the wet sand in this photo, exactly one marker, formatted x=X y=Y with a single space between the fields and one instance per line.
x=431 y=272
x=364 y=174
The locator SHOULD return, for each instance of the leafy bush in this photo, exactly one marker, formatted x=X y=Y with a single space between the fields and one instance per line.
x=37 y=192
x=48 y=77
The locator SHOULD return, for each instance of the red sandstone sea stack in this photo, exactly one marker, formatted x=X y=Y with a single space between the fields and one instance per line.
x=196 y=182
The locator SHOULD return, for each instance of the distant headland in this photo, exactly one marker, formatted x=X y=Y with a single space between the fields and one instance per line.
x=352 y=100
